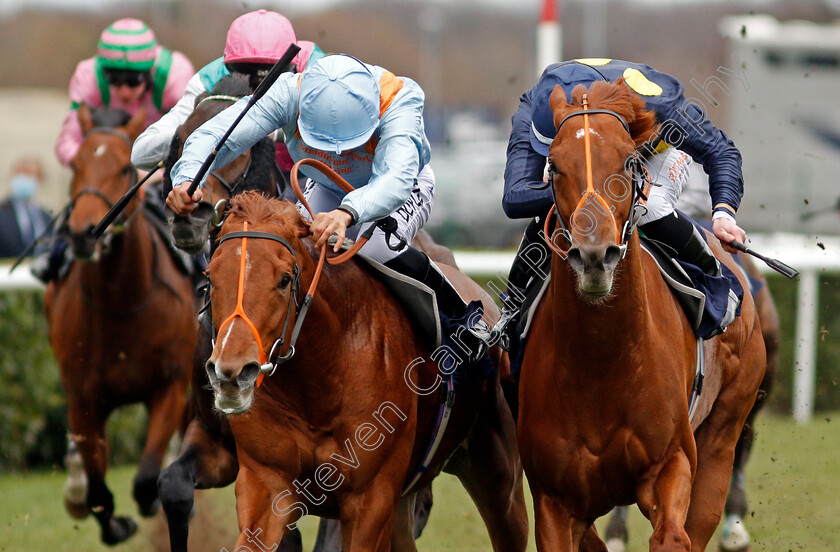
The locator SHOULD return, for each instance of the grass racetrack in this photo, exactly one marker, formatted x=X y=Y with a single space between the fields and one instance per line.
x=793 y=480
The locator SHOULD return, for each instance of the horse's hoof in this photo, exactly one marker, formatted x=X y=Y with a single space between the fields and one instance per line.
x=146 y=496
x=616 y=545
x=76 y=487
x=150 y=509
x=735 y=536
x=76 y=510
x=119 y=530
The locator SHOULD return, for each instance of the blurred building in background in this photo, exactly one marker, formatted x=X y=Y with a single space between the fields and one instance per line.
x=785 y=121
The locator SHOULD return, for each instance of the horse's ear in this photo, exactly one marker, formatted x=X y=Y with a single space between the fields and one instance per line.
x=135 y=125
x=85 y=118
x=559 y=104
x=303 y=227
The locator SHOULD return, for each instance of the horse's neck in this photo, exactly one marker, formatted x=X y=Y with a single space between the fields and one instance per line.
x=124 y=275
x=608 y=330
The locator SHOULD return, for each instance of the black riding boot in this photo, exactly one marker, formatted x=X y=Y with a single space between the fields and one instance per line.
x=682 y=239
x=679 y=235
x=416 y=264
x=530 y=267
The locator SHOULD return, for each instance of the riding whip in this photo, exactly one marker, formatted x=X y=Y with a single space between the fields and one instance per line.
x=260 y=91
x=31 y=246
x=776 y=265
x=120 y=205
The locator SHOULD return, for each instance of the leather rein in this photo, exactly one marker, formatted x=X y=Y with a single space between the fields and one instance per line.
x=276 y=356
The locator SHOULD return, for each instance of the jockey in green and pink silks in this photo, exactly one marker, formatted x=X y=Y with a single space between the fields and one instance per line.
x=129 y=71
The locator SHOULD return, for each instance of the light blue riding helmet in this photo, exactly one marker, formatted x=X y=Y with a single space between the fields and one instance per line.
x=339 y=104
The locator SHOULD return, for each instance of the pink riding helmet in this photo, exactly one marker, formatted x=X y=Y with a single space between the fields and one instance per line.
x=258 y=37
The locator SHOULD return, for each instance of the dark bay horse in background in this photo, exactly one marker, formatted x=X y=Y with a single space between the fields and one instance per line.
x=122 y=324
x=254 y=169
x=610 y=364
x=735 y=537
x=340 y=411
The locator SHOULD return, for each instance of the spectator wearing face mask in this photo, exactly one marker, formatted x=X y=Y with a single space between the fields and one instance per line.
x=21 y=220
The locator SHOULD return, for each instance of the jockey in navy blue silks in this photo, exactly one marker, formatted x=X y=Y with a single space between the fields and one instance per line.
x=703 y=150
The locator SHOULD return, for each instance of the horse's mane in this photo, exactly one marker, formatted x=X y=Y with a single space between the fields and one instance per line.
x=616 y=97
x=235 y=84
x=255 y=208
x=109 y=117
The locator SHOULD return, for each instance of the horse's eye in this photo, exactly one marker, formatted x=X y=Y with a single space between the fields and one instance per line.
x=284 y=281
x=127 y=170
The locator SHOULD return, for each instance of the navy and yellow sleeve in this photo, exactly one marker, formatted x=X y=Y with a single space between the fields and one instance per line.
x=524 y=166
x=712 y=148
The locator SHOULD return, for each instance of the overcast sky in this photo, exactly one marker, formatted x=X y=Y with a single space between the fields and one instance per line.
x=7 y=6
x=298 y=5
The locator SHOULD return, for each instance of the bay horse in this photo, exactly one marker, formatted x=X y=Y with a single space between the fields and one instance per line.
x=121 y=324
x=610 y=364
x=735 y=537
x=343 y=410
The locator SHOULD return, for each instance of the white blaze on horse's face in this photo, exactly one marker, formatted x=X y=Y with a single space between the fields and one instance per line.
x=592 y=223
x=229 y=368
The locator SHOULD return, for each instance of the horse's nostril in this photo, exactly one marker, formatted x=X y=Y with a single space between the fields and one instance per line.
x=210 y=368
x=611 y=257
x=575 y=258
x=249 y=374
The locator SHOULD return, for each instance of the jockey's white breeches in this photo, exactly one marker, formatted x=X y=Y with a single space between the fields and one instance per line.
x=410 y=217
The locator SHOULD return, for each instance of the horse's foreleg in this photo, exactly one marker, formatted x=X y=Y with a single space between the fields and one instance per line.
x=556 y=529
x=491 y=471
x=402 y=539
x=265 y=518
x=616 y=532
x=367 y=518
x=166 y=410
x=204 y=462
x=663 y=498
x=87 y=429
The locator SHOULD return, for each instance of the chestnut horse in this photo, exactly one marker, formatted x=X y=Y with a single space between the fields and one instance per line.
x=610 y=364
x=122 y=325
x=208 y=455
x=735 y=537
x=354 y=408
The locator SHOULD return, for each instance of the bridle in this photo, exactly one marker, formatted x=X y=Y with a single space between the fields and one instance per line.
x=269 y=363
x=639 y=187
x=231 y=188
x=122 y=221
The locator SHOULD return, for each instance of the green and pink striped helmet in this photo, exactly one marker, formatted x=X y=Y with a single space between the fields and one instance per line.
x=128 y=45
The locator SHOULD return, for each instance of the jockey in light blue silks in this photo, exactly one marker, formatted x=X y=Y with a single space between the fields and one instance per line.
x=367 y=125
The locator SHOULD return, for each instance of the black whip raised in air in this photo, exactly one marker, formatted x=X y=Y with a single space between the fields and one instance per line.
x=263 y=87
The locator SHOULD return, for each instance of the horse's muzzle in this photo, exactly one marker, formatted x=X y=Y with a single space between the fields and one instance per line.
x=83 y=244
x=191 y=233
x=234 y=389
x=594 y=266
